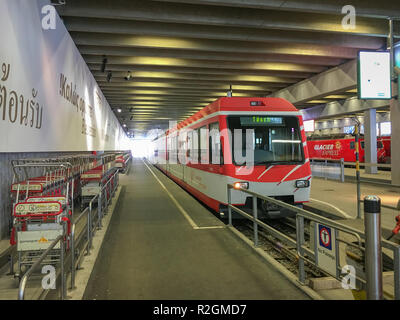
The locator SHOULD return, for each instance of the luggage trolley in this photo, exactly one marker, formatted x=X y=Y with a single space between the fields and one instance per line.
x=93 y=180
x=41 y=210
x=122 y=161
x=38 y=221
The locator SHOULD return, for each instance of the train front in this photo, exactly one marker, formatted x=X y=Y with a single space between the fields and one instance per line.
x=269 y=156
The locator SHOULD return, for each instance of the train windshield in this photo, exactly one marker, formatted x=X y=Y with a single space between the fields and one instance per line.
x=274 y=139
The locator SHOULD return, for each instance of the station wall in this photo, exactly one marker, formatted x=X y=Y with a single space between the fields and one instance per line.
x=49 y=99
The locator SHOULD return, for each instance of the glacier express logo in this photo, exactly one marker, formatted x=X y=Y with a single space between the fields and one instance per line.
x=323 y=147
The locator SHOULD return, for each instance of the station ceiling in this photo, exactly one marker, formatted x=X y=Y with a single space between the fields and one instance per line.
x=183 y=54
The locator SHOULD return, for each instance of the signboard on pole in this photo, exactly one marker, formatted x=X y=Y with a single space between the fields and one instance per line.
x=374 y=75
x=325 y=248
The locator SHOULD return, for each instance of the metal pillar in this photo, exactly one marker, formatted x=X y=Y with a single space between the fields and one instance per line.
x=394 y=108
x=391 y=47
x=89 y=227
x=99 y=210
x=373 y=250
x=62 y=252
x=229 y=208
x=370 y=140
x=395 y=140
x=255 y=224
x=358 y=179
x=342 y=170
x=300 y=250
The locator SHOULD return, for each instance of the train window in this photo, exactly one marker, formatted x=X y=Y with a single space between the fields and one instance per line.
x=203 y=145
x=352 y=145
x=171 y=149
x=379 y=145
x=195 y=146
x=215 y=144
x=189 y=143
x=275 y=139
x=168 y=151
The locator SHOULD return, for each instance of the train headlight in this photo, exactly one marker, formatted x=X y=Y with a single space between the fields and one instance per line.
x=302 y=183
x=241 y=185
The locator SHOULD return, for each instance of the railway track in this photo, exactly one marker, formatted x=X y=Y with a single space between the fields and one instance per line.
x=284 y=254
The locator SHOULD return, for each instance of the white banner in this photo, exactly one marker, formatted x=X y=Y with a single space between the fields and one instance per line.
x=49 y=100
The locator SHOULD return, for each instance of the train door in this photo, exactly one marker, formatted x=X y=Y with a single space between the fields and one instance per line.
x=167 y=152
x=189 y=149
x=215 y=150
x=180 y=143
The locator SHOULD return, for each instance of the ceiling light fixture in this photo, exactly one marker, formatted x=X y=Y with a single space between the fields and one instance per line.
x=229 y=93
x=59 y=3
x=109 y=76
x=129 y=76
x=103 y=66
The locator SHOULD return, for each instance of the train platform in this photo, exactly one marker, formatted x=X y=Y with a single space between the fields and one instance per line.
x=339 y=199
x=380 y=177
x=163 y=244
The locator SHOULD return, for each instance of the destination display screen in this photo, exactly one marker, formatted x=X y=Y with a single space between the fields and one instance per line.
x=261 y=121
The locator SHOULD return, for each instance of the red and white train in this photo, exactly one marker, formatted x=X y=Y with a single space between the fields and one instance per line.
x=343 y=147
x=271 y=129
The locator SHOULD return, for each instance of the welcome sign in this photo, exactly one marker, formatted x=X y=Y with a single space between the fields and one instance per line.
x=49 y=100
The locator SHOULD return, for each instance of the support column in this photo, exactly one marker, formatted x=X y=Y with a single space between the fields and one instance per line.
x=370 y=140
x=395 y=140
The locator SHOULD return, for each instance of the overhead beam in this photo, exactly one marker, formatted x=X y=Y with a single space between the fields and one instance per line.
x=332 y=81
x=161 y=102
x=144 y=41
x=125 y=92
x=171 y=94
x=209 y=71
x=158 y=76
x=203 y=86
x=205 y=55
x=221 y=16
x=175 y=30
x=157 y=62
x=347 y=107
x=381 y=9
x=201 y=81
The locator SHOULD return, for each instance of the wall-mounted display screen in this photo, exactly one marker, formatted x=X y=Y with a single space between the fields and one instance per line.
x=374 y=75
x=309 y=126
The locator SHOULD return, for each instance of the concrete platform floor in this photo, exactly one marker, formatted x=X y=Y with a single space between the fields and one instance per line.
x=344 y=197
x=152 y=252
x=381 y=176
